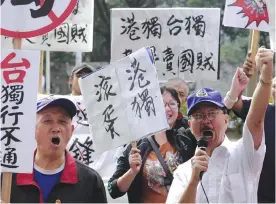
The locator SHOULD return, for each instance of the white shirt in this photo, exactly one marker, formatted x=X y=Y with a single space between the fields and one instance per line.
x=233 y=173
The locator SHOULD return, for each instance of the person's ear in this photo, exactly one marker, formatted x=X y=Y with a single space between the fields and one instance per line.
x=72 y=128
x=70 y=82
x=226 y=119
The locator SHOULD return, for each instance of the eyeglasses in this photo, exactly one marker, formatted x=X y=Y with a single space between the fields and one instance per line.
x=172 y=105
x=199 y=117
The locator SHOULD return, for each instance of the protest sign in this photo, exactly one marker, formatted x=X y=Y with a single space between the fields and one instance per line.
x=123 y=101
x=185 y=41
x=25 y=19
x=271 y=6
x=250 y=14
x=18 y=109
x=74 y=34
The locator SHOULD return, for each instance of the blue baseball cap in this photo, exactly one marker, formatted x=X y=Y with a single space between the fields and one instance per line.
x=65 y=103
x=204 y=95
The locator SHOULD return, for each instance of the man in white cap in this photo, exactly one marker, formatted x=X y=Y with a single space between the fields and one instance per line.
x=78 y=72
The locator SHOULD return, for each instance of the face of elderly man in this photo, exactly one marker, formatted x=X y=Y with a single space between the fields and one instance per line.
x=53 y=130
x=209 y=117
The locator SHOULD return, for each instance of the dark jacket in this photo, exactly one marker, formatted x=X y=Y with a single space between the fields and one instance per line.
x=78 y=184
x=184 y=143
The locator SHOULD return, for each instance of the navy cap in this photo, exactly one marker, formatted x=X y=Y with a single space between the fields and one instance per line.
x=204 y=95
x=65 y=103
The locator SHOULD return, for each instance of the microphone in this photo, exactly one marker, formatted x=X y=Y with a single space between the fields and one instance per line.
x=202 y=144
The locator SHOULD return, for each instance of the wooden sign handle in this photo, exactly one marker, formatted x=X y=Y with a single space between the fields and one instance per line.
x=6 y=187
x=255 y=37
x=133 y=144
x=41 y=66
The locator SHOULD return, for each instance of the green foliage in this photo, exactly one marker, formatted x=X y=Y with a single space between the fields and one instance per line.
x=234 y=52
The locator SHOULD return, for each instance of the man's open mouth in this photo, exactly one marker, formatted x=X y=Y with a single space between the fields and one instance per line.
x=55 y=140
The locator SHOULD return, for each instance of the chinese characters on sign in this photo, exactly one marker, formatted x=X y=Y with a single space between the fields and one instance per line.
x=152 y=27
x=38 y=17
x=124 y=103
x=82 y=150
x=18 y=109
x=146 y=101
x=75 y=34
x=105 y=89
x=184 y=41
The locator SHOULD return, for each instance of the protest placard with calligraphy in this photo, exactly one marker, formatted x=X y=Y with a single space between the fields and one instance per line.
x=250 y=14
x=123 y=101
x=185 y=41
x=19 y=69
x=74 y=34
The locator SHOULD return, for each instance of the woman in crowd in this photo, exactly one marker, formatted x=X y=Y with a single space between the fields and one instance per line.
x=139 y=171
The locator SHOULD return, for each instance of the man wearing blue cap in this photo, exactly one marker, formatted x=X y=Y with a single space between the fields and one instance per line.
x=231 y=169
x=56 y=175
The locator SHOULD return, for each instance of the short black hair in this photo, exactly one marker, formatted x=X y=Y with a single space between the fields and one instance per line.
x=172 y=91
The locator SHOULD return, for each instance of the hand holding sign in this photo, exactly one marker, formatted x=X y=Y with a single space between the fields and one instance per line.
x=135 y=160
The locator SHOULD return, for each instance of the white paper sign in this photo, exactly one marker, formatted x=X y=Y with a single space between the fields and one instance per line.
x=19 y=86
x=185 y=41
x=123 y=101
x=271 y=5
x=250 y=14
x=24 y=19
x=75 y=34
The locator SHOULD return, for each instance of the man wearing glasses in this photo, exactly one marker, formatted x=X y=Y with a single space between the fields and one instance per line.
x=78 y=72
x=231 y=169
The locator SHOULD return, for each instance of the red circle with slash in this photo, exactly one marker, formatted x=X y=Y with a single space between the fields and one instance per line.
x=56 y=21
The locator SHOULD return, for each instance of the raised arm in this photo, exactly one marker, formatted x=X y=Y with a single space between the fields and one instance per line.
x=249 y=68
x=260 y=100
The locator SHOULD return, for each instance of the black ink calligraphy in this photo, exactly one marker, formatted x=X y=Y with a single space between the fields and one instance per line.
x=104 y=86
x=110 y=121
x=152 y=27
x=82 y=151
x=177 y=28
x=130 y=28
x=146 y=102
x=135 y=69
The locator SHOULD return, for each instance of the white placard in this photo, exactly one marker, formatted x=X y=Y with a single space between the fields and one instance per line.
x=250 y=14
x=75 y=34
x=141 y=92
x=106 y=115
x=185 y=41
x=271 y=5
x=123 y=101
x=24 y=19
x=19 y=86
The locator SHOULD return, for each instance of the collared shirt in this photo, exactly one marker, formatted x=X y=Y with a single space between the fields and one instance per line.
x=232 y=176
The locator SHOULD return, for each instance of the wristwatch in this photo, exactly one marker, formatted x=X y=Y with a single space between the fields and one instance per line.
x=230 y=98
